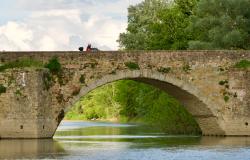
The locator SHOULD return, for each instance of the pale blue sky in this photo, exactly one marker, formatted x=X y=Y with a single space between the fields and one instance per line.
x=62 y=24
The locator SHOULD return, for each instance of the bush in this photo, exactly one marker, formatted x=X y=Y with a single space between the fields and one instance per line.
x=54 y=65
x=226 y=98
x=243 y=64
x=164 y=70
x=132 y=65
x=186 y=68
x=2 y=89
x=21 y=63
x=223 y=82
x=82 y=79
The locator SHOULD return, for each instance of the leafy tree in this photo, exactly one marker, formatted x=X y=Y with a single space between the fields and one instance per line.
x=157 y=25
x=186 y=6
x=221 y=24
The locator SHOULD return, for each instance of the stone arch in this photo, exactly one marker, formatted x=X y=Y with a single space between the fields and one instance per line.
x=197 y=104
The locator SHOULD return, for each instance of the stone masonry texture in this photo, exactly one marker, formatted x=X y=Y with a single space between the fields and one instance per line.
x=206 y=82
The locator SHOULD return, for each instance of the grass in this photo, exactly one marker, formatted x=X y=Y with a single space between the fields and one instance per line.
x=21 y=63
x=243 y=64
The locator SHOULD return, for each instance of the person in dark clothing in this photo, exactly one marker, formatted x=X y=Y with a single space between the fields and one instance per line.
x=81 y=49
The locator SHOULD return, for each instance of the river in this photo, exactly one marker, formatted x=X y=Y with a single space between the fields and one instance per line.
x=113 y=141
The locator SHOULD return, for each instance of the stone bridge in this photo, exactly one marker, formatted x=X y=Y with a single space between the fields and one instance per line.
x=206 y=82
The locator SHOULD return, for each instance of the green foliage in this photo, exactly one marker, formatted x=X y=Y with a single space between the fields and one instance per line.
x=157 y=25
x=164 y=70
x=186 y=68
x=132 y=65
x=223 y=82
x=54 y=65
x=187 y=24
x=243 y=64
x=21 y=63
x=82 y=79
x=18 y=92
x=128 y=100
x=47 y=80
x=220 y=24
x=226 y=98
x=2 y=89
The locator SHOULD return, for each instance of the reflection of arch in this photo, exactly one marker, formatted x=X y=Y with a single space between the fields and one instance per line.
x=195 y=102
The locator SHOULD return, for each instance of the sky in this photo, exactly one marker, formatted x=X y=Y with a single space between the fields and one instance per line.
x=62 y=25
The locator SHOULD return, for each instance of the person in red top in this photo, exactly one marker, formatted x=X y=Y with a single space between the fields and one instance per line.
x=88 y=47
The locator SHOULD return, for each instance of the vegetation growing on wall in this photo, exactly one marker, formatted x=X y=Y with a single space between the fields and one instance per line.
x=132 y=65
x=2 y=89
x=164 y=69
x=47 y=80
x=243 y=64
x=54 y=66
x=22 y=63
x=82 y=79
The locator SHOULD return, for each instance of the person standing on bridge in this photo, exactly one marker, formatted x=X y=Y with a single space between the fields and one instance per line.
x=88 y=47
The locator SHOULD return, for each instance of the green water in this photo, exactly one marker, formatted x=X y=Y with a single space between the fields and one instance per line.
x=101 y=141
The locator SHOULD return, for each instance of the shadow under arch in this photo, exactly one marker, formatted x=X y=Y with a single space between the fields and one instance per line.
x=200 y=107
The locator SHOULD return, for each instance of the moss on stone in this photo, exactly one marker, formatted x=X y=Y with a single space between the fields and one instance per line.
x=243 y=64
x=21 y=63
x=132 y=65
x=164 y=70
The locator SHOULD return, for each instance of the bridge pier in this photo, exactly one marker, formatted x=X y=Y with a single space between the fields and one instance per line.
x=25 y=108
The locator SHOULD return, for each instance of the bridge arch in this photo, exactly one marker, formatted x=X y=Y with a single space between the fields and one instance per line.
x=195 y=102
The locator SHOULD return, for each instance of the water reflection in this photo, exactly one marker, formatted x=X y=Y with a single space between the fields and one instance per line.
x=99 y=141
x=33 y=149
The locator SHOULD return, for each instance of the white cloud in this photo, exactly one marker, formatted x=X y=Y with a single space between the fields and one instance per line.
x=66 y=25
x=16 y=35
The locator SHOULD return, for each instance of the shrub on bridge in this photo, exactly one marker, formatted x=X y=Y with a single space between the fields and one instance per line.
x=54 y=66
x=2 y=89
x=164 y=70
x=132 y=65
x=243 y=64
x=21 y=63
x=82 y=79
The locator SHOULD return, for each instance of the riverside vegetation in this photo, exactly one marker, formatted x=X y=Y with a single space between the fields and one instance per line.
x=130 y=101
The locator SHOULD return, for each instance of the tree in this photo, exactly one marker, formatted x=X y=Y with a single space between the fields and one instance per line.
x=221 y=24
x=157 y=25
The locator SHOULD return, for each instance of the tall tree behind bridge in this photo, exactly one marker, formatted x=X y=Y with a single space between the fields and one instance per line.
x=158 y=25
x=221 y=24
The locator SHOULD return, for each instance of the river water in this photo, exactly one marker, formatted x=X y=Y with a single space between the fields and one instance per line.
x=112 y=141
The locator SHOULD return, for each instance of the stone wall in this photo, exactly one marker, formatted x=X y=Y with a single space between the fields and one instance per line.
x=194 y=78
x=25 y=108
